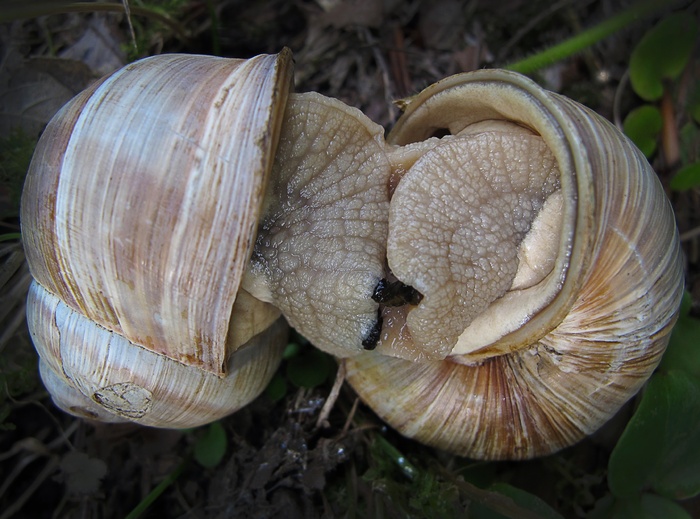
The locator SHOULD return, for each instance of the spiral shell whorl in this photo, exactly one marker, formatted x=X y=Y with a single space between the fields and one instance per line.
x=139 y=215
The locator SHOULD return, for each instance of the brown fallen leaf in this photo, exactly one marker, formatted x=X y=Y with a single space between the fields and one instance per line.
x=33 y=90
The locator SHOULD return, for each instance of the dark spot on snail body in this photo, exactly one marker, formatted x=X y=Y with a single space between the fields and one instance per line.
x=395 y=293
x=370 y=342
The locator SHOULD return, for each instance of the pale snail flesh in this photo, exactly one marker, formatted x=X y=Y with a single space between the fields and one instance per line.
x=513 y=331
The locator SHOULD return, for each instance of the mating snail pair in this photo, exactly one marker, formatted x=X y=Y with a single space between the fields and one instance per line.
x=500 y=274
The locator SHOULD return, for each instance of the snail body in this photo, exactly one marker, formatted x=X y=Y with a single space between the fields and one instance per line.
x=506 y=309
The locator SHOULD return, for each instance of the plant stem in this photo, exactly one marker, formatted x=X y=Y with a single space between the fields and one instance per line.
x=156 y=492
x=215 y=36
x=399 y=459
x=591 y=36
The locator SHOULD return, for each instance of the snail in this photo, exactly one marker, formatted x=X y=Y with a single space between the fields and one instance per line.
x=136 y=249
x=488 y=273
x=588 y=291
x=139 y=218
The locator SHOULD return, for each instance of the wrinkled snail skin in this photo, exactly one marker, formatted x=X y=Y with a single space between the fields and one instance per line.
x=138 y=218
x=516 y=279
x=573 y=359
x=321 y=245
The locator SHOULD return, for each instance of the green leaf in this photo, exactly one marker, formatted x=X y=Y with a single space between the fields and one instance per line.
x=526 y=500
x=277 y=388
x=643 y=126
x=310 y=368
x=693 y=104
x=687 y=177
x=291 y=350
x=662 y=54
x=683 y=352
x=654 y=507
x=659 y=447
x=211 y=446
x=644 y=506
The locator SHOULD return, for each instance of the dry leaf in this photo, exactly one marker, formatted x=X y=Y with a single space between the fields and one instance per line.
x=32 y=91
x=100 y=46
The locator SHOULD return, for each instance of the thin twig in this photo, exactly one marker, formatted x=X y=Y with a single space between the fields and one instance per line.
x=332 y=396
x=127 y=12
x=21 y=9
x=350 y=417
x=389 y=95
x=617 y=100
x=44 y=450
x=531 y=24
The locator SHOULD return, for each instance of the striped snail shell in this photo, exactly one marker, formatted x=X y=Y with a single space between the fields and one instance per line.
x=138 y=221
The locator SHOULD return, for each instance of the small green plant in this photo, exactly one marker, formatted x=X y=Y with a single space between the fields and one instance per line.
x=302 y=367
x=208 y=450
x=643 y=125
x=656 y=66
x=583 y=40
x=210 y=447
x=432 y=491
x=657 y=460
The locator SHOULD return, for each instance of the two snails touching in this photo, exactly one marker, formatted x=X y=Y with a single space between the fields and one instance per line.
x=501 y=274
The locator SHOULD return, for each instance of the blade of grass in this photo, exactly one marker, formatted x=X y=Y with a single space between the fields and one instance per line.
x=591 y=36
x=156 y=492
x=215 y=36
